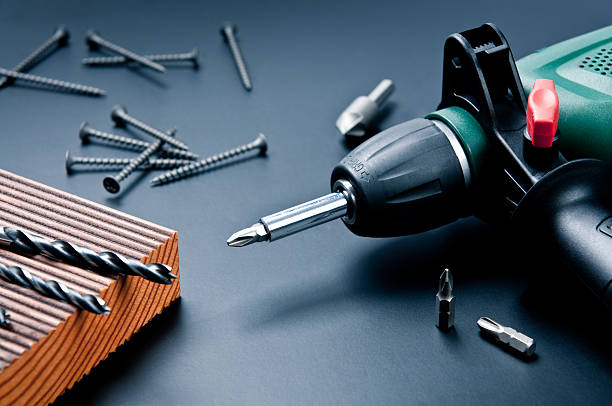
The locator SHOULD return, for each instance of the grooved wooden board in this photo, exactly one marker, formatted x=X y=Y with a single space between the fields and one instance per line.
x=50 y=345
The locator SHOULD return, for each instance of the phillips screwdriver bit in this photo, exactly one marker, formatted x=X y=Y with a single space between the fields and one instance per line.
x=4 y=318
x=106 y=262
x=509 y=336
x=445 y=302
x=52 y=289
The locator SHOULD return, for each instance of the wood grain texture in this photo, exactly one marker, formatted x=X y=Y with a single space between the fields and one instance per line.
x=51 y=345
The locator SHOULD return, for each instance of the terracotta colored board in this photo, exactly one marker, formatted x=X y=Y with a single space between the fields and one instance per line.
x=50 y=345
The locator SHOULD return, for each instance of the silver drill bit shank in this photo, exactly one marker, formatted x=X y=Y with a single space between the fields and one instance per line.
x=118 y=163
x=357 y=118
x=229 y=31
x=86 y=133
x=445 y=302
x=122 y=60
x=95 y=41
x=53 y=83
x=58 y=39
x=106 y=262
x=53 y=289
x=200 y=166
x=506 y=335
x=121 y=118
x=4 y=318
x=111 y=183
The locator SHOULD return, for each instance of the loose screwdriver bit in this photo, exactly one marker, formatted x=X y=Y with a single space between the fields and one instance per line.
x=518 y=341
x=4 y=317
x=52 y=289
x=106 y=262
x=445 y=302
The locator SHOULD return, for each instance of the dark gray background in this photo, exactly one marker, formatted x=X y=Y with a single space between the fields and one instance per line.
x=323 y=317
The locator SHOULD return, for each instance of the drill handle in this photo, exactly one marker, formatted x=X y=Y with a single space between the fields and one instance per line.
x=567 y=215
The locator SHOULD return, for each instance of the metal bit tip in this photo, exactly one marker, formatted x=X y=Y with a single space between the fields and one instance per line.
x=256 y=233
x=509 y=336
x=445 y=302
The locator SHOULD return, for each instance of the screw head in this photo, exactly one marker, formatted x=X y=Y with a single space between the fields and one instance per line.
x=90 y=41
x=117 y=115
x=228 y=29
x=194 y=57
x=84 y=132
x=62 y=35
x=69 y=162
x=261 y=142
x=111 y=184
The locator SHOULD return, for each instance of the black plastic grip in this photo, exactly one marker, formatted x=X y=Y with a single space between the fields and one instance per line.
x=565 y=215
x=407 y=179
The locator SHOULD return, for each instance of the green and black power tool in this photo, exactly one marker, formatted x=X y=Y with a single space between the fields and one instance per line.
x=490 y=151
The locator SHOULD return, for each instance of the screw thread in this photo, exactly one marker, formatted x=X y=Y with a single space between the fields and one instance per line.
x=119 y=60
x=240 y=65
x=125 y=52
x=114 y=163
x=136 y=162
x=152 y=131
x=200 y=166
x=36 y=56
x=54 y=83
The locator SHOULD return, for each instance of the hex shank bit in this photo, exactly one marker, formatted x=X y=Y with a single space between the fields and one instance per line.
x=105 y=262
x=52 y=289
x=445 y=302
x=132 y=144
x=57 y=40
x=4 y=317
x=121 y=118
x=200 y=166
x=122 y=60
x=95 y=41
x=53 y=83
x=506 y=335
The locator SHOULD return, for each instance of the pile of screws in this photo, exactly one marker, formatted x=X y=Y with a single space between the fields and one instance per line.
x=172 y=153
x=58 y=40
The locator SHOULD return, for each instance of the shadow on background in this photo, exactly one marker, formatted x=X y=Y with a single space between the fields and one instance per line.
x=142 y=344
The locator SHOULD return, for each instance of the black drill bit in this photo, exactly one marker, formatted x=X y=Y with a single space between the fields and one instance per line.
x=106 y=262
x=53 y=289
x=4 y=318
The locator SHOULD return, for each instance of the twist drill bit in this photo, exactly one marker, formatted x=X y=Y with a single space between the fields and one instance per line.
x=200 y=166
x=445 y=302
x=228 y=31
x=518 y=341
x=105 y=262
x=53 y=83
x=118 y=163
x=95 y=41
x=58 y=40
x=122 y=60
x=4 y=318
x=86 y=133
x=121 y=118
x=111 y=183
x=52 y=289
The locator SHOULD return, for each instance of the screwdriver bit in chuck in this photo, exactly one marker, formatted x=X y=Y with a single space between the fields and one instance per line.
x=509 y=336
x=445 y=302
x=106 y=262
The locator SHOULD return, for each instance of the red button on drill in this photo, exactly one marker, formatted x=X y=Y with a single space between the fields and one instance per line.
x=542 y=113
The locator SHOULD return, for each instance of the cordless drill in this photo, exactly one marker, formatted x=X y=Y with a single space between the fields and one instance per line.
x=490 y=152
